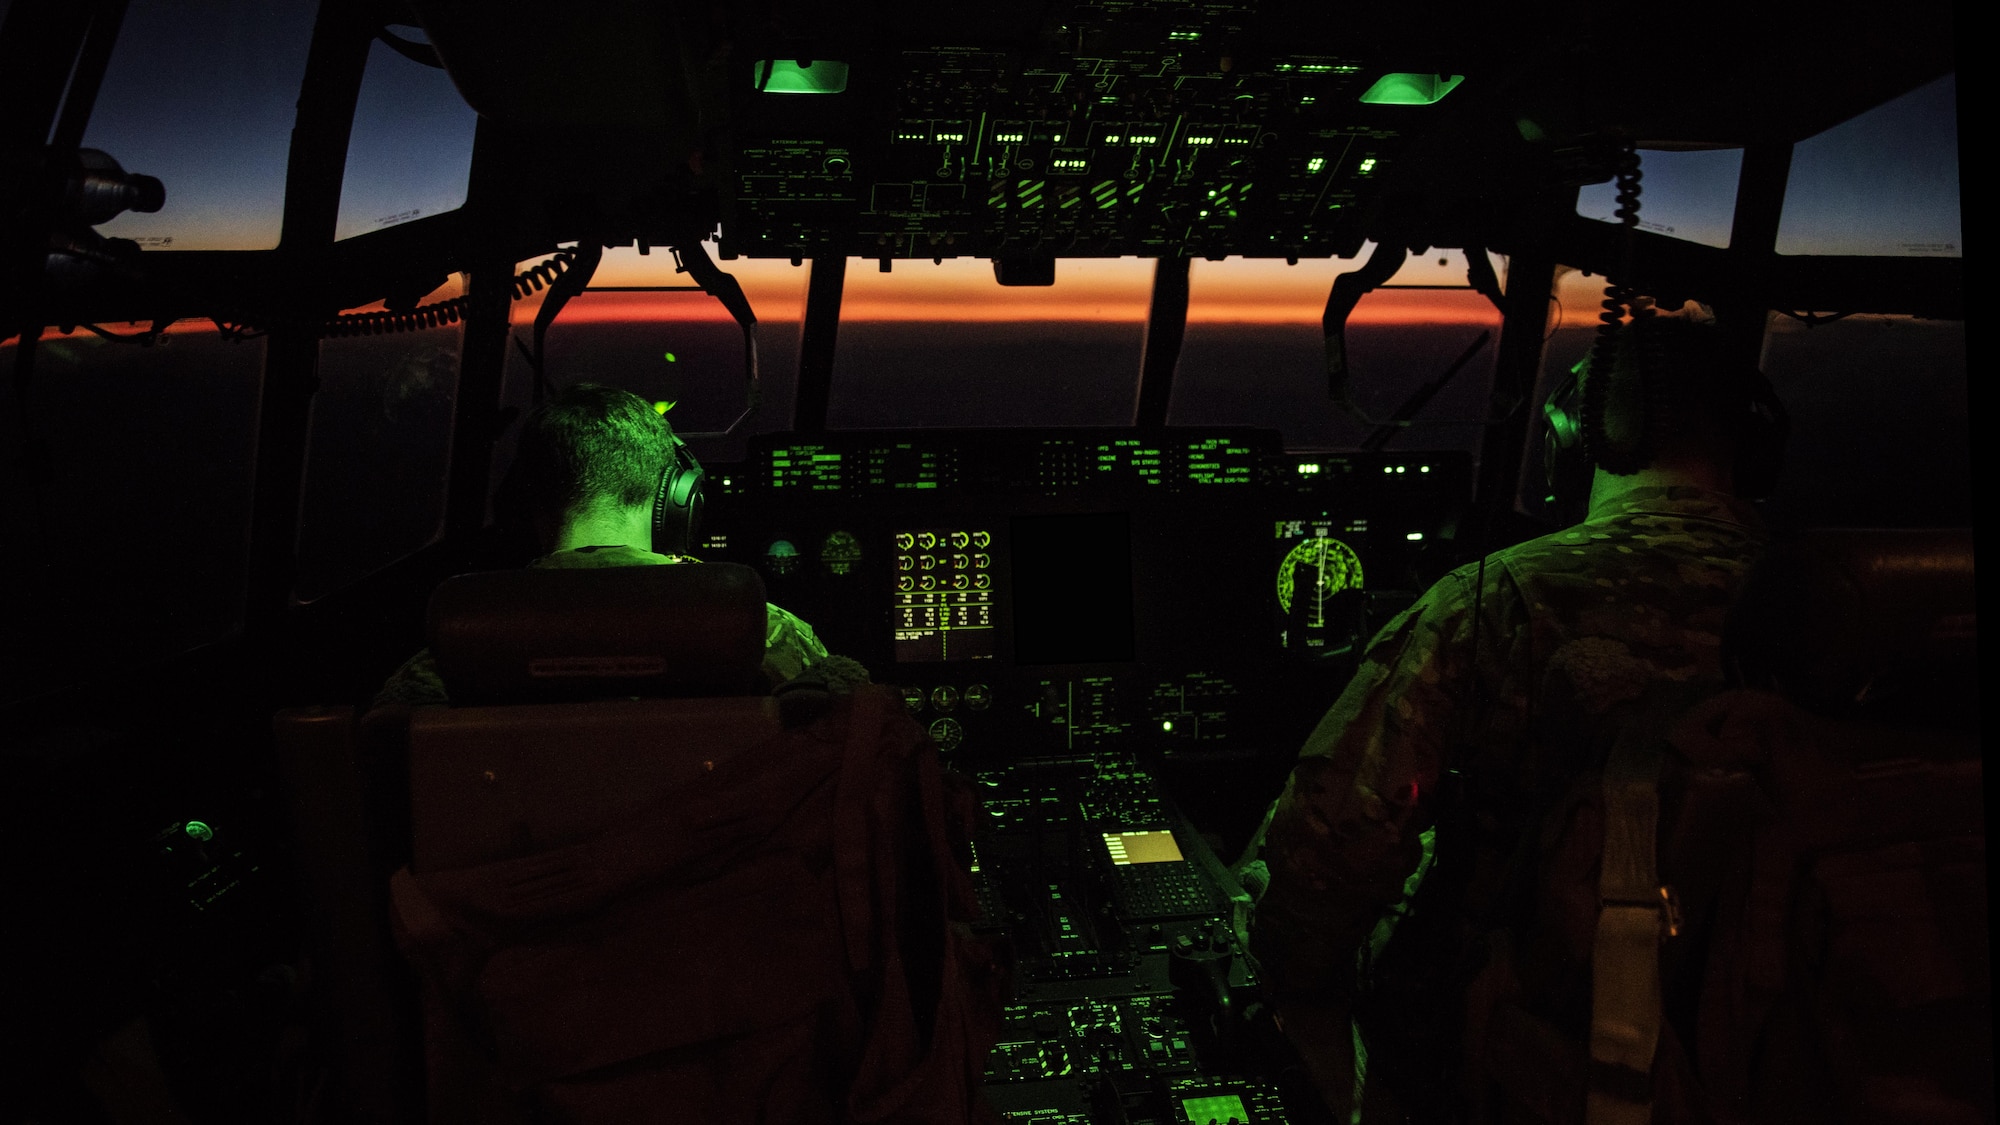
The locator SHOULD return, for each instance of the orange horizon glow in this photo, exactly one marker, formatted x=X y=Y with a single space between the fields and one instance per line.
x=1251 y=292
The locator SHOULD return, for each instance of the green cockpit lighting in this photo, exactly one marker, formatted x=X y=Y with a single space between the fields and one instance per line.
x=197 y=830
x=798 y=76
x=1411 y=89
x=1217 y=1109
x=671 y=358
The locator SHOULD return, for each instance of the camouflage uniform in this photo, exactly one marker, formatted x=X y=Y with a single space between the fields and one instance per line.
x=1571 y=629
x=790 y=647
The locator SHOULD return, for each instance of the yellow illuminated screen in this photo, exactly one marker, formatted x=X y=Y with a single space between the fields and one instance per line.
x=1142 y=847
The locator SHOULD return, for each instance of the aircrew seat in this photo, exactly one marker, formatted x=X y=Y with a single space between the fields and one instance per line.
x=634 y=893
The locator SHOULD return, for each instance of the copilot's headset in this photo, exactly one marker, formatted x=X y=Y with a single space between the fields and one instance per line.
x=677 y=502
x=1656 y=362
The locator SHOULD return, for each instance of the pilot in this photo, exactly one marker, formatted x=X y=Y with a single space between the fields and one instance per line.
x=589 y=467
x=1490 y=694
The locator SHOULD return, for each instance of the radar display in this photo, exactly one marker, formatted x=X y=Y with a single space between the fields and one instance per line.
x=1319 y=585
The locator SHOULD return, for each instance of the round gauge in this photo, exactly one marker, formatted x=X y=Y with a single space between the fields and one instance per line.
x=978 y=696
x=947 y=733
x=1334 y=567
x=913 y=698
x=781 y=557
x=840 y=553
x=944 y=697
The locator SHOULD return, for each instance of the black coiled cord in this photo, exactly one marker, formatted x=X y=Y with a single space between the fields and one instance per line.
x=1618 y=299
x=445 y=312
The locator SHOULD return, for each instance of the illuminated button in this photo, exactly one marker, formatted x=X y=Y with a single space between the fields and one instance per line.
x=947 y=733
x=944 y=697
x=978 y=697
x=913 y=698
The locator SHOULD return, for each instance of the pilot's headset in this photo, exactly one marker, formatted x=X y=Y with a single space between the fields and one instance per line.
x=677 y=502
x=1642 y=363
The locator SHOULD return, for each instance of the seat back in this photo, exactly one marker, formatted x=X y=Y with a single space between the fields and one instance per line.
x=497 y=783
x=1865 y=623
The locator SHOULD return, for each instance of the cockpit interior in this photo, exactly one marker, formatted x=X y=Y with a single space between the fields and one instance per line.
x=1101 y=375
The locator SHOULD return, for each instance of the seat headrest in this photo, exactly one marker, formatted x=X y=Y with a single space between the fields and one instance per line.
x=1864 y=623
x=563 y=635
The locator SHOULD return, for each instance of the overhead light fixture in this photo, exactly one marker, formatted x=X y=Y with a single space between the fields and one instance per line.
x=1411 y=89
x=798 y=76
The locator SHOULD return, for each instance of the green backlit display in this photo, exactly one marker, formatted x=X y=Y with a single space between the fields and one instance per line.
x=1220 y=1109
x=1411 y=89
x=812 y=467
x=1220 y=461
x=904 y=465
x=1335 y=567
x=1147 y=462
x=781 y=557
x=943 y=601
x=1319 y=584
x=794 y=76
x=840 y=553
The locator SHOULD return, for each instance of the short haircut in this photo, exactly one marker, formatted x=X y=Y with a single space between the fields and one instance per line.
x=590 y=444
x=1674 y=387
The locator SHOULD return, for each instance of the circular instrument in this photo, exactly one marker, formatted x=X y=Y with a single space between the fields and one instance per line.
x=1331 y=566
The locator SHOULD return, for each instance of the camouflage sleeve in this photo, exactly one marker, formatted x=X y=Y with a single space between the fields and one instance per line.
x=790 y=646
x=1344 y=834
x=415 y=684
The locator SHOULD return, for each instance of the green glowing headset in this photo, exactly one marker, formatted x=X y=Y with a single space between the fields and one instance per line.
x=677 y=502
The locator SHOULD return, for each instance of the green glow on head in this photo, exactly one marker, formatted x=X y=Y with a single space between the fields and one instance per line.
x=1411 y=89
x=1217 y=1108
x=196 y=830
x=662 y=407
x=790 y=76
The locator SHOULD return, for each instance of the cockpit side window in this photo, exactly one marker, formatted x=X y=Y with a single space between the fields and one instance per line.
x=206 y=103
x=1882 y=183
x=377 y=453
x=125 y=492
x=411 y=148
x=1688 y=194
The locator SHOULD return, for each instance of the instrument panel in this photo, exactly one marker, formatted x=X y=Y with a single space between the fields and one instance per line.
x=1063 y=592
